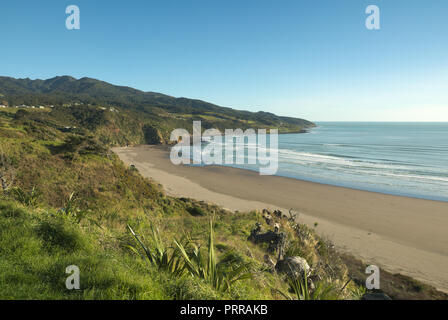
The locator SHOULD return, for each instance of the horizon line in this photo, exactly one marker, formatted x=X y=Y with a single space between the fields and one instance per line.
x=378 y=121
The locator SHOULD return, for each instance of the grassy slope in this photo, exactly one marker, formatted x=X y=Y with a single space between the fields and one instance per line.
x=37 y=242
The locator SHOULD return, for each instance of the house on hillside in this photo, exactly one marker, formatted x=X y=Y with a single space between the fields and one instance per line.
x=67 y=129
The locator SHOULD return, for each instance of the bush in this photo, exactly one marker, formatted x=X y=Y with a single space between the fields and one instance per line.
x=220 y=275
x=28 y=198
x=196 y=211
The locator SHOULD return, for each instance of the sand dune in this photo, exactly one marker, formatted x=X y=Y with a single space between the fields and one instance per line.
x=399 y=234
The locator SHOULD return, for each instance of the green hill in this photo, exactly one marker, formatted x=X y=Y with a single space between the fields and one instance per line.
x=155 y=115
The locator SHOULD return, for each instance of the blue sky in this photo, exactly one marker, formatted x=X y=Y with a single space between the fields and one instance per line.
x=313 y=59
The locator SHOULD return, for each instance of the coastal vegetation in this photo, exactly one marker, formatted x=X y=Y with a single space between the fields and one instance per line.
x=71 y=201
x=122 y=115
x=66 y=199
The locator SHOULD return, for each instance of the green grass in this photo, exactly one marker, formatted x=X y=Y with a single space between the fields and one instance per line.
x=36 y=247
x=71 y=202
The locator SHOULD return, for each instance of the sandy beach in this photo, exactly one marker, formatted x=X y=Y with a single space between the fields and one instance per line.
x=400 y=234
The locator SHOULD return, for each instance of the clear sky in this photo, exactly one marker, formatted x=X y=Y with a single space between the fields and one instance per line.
x=312 y=58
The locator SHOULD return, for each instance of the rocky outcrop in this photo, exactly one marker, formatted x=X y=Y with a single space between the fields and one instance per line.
x=294 y=267
x=375 y=296
x=275 y=239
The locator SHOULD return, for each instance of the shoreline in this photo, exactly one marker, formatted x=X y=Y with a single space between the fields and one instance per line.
x=417 y=197
x=401 y=234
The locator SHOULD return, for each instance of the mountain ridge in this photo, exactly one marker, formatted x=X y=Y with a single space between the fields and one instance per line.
x=140 y=117
x=88 y=90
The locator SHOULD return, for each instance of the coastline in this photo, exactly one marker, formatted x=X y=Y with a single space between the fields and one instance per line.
x=400 y=234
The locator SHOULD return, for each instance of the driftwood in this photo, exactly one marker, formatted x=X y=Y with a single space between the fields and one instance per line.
x=293 y=215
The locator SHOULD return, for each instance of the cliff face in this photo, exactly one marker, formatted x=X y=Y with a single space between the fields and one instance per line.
x=153 y=135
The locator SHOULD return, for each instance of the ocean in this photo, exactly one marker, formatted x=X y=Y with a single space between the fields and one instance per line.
x=408 y=159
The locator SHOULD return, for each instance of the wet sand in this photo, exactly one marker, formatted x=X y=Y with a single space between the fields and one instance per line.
x=399 y=234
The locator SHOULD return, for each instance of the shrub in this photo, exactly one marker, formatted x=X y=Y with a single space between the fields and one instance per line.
x=28 y=198
x=196 y=211
x=159 y=255
x=299 y=286
x=220 y=275
x=70 y=209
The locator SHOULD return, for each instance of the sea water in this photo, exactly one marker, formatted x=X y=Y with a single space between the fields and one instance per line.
x=408 y=159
